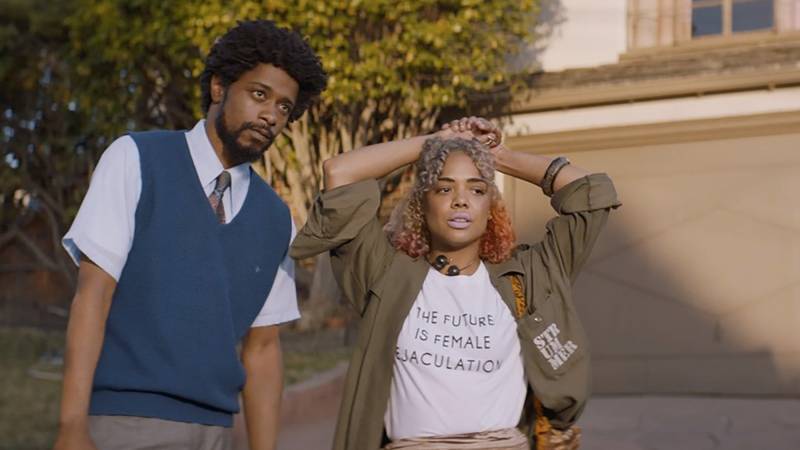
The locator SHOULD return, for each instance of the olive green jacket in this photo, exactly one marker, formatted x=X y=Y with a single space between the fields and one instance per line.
x=382 y=284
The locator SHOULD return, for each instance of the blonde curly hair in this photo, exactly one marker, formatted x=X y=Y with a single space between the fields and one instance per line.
x=406 y=227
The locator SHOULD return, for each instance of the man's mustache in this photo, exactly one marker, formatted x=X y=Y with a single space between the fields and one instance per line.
x=268 y=133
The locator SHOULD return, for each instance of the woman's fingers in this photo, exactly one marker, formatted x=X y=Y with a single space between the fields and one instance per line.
x=479 y=128
x=485 y=125
x=486 y=139
x=491 y=132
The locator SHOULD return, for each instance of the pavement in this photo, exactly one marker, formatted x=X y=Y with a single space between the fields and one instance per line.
x=690 y=423
x=609 y=422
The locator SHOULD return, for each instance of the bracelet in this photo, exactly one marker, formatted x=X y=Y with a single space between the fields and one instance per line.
x=551 y=173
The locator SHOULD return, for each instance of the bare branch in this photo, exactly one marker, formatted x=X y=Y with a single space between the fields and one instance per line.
x=40 y=256
x=8 y=237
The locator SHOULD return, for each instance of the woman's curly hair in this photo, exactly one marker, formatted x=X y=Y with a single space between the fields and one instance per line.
x=406 y=228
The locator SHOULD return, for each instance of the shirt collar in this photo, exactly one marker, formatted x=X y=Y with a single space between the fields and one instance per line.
x=206 y=162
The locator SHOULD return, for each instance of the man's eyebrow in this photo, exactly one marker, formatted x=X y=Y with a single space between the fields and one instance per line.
x=261 y=85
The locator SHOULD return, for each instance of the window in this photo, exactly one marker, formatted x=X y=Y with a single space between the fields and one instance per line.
x=706 y=18
x=659 y=23
x=753 y=15
x=715 y=17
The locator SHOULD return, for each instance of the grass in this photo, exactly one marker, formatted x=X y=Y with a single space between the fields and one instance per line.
x=29 y=406
x=299 y=366
x=310 y=352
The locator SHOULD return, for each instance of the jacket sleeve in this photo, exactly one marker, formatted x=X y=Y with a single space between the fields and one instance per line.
x=344 y=222
x=583 y=207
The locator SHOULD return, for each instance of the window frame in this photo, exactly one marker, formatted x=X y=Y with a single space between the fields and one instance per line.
x=668 y=27
x=727 y=20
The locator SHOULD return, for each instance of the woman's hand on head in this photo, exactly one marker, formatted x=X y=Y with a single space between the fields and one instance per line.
x=473 y=127
x=453 y=131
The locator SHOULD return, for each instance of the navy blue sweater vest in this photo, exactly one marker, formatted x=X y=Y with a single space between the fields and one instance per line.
x=190 y=289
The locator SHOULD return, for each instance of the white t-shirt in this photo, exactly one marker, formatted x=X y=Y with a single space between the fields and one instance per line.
x=458 y=367
x=104 y=227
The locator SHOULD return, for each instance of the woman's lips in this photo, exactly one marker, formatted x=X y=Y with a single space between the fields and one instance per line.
x=459 y=221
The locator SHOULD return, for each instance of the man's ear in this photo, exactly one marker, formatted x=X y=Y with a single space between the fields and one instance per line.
x=217 y=89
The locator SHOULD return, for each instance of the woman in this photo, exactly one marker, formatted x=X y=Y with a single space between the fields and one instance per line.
x=459 y=329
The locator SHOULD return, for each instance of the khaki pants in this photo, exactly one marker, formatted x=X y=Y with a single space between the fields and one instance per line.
x=143 y=433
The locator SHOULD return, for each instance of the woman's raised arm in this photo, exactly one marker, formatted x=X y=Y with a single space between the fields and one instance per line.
x=525 y=166
x=378 y=160
x=372 y=161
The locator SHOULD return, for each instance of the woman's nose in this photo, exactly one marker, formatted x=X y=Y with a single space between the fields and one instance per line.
x=459 y=201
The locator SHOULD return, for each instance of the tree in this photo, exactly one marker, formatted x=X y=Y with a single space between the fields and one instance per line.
x=47 y=157
x=394 y=67
x=106 y=66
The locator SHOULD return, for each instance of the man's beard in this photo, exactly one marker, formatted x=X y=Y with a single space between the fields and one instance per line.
x=236 y=152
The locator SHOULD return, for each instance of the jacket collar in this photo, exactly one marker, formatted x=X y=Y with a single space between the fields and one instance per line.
x=509 y=266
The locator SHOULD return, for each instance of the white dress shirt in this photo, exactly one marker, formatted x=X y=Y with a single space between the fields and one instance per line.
x=104 y=227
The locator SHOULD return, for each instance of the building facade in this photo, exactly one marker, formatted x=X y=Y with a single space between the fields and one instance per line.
x=693 y=108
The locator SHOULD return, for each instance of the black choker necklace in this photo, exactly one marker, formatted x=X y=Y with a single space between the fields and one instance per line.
x=441 y=261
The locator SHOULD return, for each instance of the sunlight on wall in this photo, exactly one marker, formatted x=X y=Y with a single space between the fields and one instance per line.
x=695 y=285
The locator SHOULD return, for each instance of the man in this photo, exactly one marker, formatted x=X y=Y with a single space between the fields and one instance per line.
x=182 y=254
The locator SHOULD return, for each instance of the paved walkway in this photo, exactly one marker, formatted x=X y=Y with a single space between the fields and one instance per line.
x=691 y=423
x=640 y=423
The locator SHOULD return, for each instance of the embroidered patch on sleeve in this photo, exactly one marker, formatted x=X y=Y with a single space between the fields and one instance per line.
x=551 y=347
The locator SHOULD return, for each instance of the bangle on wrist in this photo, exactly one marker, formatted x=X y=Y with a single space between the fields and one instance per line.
x=551 y=173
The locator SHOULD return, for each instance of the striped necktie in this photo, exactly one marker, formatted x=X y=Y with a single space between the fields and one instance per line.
x=223 y=183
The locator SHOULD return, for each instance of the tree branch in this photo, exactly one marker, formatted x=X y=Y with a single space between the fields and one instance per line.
x=40 y=256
